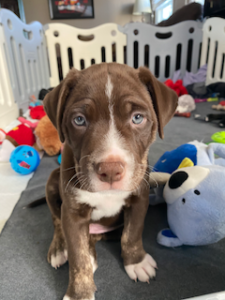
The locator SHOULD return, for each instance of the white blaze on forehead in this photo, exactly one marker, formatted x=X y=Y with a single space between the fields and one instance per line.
x=108 y=92
x=109 y=88
x=113 y=140
x=113 y=136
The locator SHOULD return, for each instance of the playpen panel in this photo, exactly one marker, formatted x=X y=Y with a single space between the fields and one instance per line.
x=213 y=49
x=27 y=61
x=24 y=50
x=161 y=54
x=8 y=108
x=80 y=48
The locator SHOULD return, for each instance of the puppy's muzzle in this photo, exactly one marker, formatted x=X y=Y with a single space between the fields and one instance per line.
x=110 y=171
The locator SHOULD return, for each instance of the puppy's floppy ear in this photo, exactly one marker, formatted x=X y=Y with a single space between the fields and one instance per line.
x=164 y=99
x=55 y=101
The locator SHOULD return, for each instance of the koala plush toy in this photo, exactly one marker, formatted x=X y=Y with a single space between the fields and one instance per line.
x=195 y=197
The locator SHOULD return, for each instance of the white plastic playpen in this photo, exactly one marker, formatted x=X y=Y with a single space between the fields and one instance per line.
x=35 y=56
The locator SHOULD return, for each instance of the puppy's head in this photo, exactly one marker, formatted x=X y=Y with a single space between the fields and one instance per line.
x=109 y=115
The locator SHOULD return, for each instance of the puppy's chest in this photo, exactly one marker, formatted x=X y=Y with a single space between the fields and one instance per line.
x=105 y=204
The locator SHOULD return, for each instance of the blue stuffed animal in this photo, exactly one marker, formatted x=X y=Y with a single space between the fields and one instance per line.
x=195 y=195
x=199 y=153
x=195 y=198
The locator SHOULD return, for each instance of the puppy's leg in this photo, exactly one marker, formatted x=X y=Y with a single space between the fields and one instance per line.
x=138 y=264
x=93 y=256
x=75 y=224
x=57 y=254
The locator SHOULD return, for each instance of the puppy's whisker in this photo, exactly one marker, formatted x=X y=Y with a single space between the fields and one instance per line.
x=87 y=185
x=152 y=168
x=70 y=181
x=147 y=173
x=83 y=183
x=75 y=175
x=147 y=165
x=79 y=173
x=147 y=183
x=85 y=157
x=68 y=169
x=80 y=177
x=78 y=180
x=157 y=185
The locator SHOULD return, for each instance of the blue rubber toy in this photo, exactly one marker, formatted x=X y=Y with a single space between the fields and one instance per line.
x=24 y=160
x=60 y=158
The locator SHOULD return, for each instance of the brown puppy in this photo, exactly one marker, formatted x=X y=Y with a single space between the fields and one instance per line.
x=108 y=116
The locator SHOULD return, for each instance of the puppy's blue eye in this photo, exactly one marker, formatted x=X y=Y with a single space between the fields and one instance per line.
x=79 y=121
x=137 y=119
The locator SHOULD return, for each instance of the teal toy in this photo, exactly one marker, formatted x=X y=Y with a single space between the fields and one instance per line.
x=60 y=158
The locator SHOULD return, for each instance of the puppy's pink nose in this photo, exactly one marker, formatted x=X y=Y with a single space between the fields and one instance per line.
x=110 y=171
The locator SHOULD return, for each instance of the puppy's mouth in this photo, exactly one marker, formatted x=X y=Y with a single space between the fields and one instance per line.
x=113 y=186
x=101 y=184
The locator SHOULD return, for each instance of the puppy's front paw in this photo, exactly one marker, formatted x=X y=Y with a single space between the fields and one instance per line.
x=68 y=298
x=93 y=263
x=143 y=270
x=59 y=259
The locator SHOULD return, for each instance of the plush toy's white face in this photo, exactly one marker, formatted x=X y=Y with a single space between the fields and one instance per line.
x=182 y=181
x=196 y=204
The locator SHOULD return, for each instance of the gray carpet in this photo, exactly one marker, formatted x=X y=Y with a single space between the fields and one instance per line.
x=183 y=272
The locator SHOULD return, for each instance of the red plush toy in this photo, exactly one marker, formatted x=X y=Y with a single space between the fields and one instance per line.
x=37 y=112
x=177 y=87
x=19 y=135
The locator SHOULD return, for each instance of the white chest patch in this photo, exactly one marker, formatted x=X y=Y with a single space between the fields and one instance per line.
x=105 y=203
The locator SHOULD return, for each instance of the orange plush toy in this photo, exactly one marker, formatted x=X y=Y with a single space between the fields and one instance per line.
x=47 y=137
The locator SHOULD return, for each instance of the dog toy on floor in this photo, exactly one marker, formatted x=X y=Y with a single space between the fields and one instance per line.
x=195 y=198
x=24 y=160
x=47 y=137
x=220 y=106
x=37 y=112
x=220 y=118
x=185 y=115
x=177 y=87
x=198 y=153
x=186 y=103
x=194 y=193
x=19 y=135
x=219 y=137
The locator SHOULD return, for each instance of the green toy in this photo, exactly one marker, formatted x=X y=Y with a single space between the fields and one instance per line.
x=219 y=137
